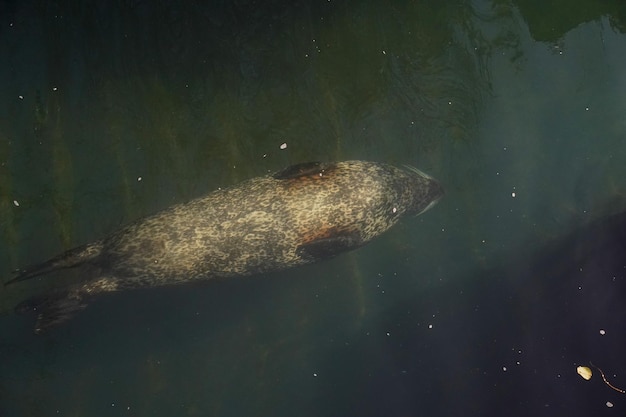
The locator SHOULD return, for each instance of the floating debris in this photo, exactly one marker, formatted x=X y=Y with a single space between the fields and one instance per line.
x=607 y=382
x=585 y=372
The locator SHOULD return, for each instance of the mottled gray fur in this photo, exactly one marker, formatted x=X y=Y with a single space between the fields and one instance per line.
x=299 y=215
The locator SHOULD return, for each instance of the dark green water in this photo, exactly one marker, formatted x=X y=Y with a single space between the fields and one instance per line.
x=484 y=306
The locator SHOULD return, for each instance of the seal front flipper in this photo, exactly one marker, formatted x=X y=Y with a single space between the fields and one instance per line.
x=327 y=247
x=52 y=308
x=305 y=169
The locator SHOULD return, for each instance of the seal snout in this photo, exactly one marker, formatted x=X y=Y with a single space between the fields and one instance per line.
x=425 y=191
x=433 y=193
x=435 y=190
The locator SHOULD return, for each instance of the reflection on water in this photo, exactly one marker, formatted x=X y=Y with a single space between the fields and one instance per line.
x=111 y=112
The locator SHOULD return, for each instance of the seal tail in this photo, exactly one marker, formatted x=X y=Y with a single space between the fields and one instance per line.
x=69 y=259
x=53 y=308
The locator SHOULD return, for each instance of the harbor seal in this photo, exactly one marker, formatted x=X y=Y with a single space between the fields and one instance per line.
x=302 y=214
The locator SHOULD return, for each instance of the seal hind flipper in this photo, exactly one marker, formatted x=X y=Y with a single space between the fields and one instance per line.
x=328 y=247
x=68 y=259
x=52 y=309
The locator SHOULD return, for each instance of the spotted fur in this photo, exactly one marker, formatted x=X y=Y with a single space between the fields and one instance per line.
x=300 y=215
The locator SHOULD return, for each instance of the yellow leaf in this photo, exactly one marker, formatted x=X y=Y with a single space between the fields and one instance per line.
x=585 y=372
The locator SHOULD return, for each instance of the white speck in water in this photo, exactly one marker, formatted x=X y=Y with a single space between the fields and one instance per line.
x=20 y=97
x=54 y=89
x=513 y=194
x=284 y=145
x=388 y=334
x=314 y=374
x=609 y=404
x=384 y=53
x=430 y=326
x=139 y=178
x=504 y=368
x=602 y=332
x=394 y=210
x=16 y=203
